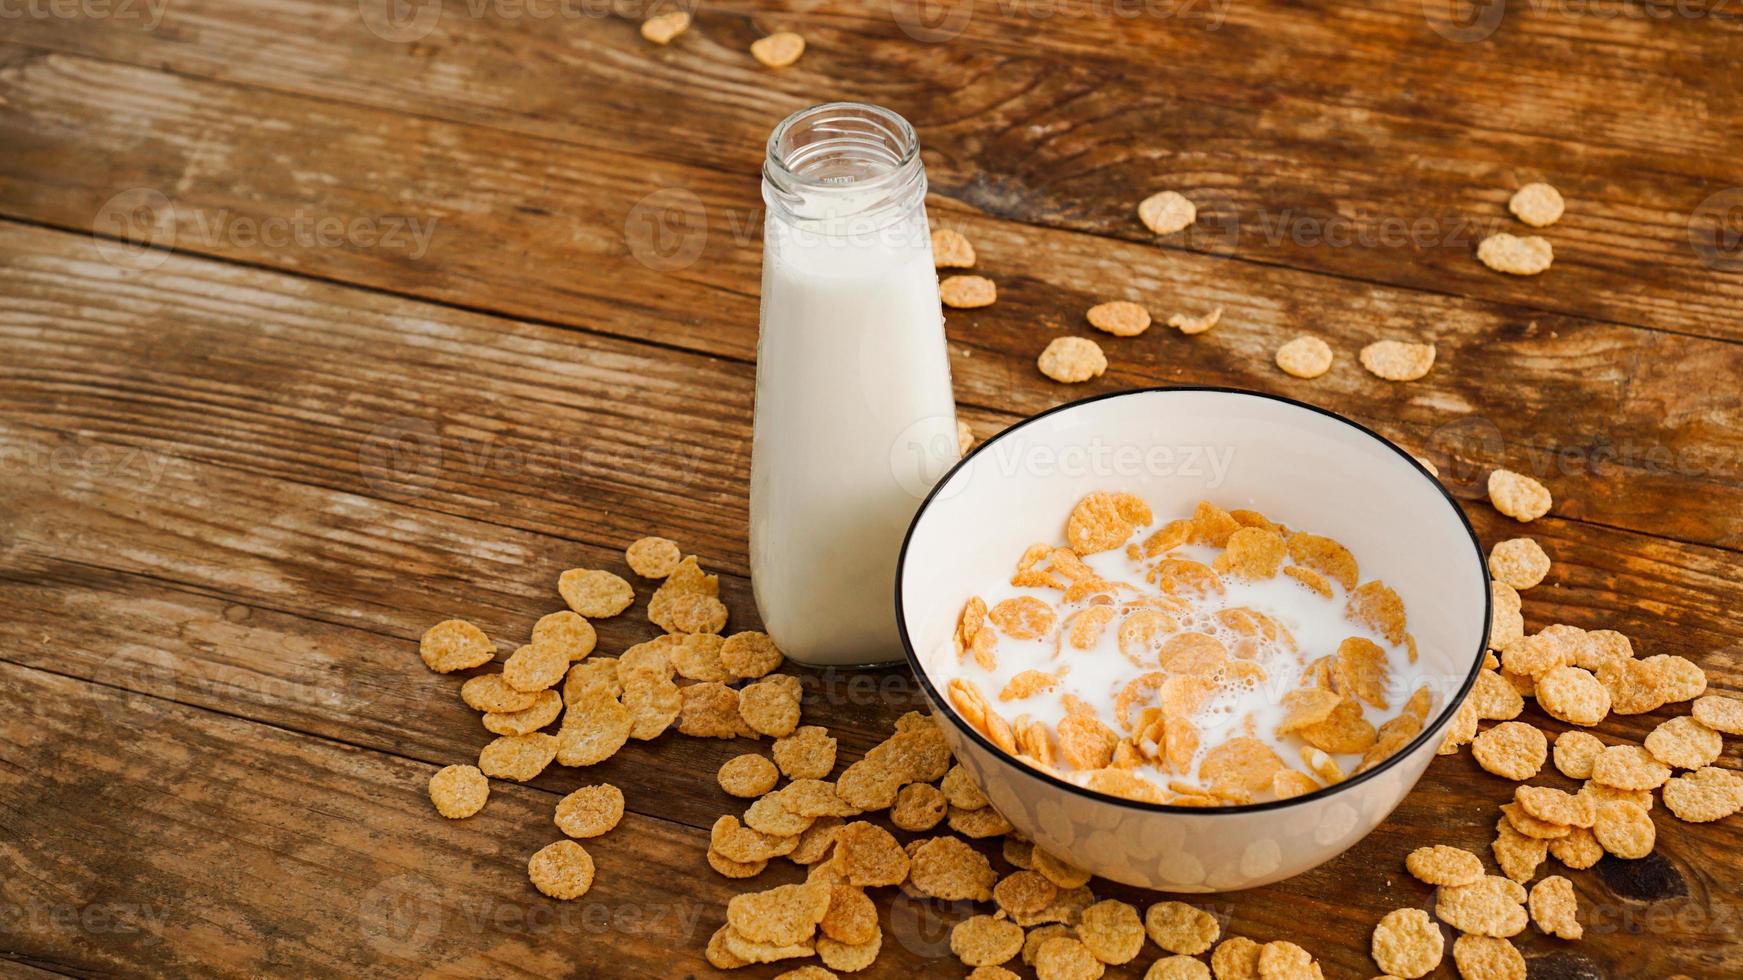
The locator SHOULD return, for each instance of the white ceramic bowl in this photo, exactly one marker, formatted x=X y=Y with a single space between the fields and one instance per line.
x=1300 y=465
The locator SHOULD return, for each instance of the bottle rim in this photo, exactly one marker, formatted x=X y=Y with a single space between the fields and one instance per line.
x=886 y=141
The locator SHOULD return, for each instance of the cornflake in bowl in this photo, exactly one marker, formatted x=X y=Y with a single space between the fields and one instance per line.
x=1193 y=639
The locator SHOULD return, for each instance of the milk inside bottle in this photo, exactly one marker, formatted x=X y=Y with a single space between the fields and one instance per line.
x=854 y=415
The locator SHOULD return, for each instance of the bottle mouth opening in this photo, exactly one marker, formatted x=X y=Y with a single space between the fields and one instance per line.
x=844 y=145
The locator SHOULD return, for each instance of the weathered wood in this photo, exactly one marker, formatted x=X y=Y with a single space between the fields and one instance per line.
x=1072 y=134
x=230 y=499
x=1618 y=420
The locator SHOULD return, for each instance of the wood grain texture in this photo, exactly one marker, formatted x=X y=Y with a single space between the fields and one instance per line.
x=234 y=573
x=1042 y=124
x=236 y=483
x=1616 y=419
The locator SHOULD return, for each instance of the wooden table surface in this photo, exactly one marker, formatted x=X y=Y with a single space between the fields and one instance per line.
x=322 y=321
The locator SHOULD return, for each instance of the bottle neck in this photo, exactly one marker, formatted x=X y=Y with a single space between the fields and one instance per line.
x=844 y=169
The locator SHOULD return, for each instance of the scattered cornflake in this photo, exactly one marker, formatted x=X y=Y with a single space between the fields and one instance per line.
x=852 y=917
x=979 y=824
x=567 y=631
x=1629 y=767
x=1066 y=958
x=1555 y=806
x=1283 y=960
x=1488 y=958
x=1625 y=829
x=590 y=811
x=868 y=856
x=517 y=757
x=951 y=250
x=748 y=776
x=1120 y=318
x=1441 y=864
x=918 y=807
x=594 y=727
x=1520 y=562
x=653 y=557
x=1578 y=850
x=808 y=753
x=1554 y=908
x=1236 y=958
x=664 y=28
x=967 y=292
x=1180 y=928
x=814 y=844
x=1720 y=713
x=1537 y=204
x=1705 y=795
x=982 y=940
x=455 y=644
x=1517 y=855
x=749 y=655
x=534 y=668
x=1166 y=212
x=459 y=791
x=1684 y=743
x=1494 y=698
x=809 y=971
x=964 y=438
x=1304 y=357
x=1396 y=360
x=1513 y=750
x=1071 y=360
x=740 y=843
x=771 y=706
x=1178 y=968
x=563 y=870
x=778 y=50
x=1518 y=496
x=784 y=915
x=1024 y=893
x=492 y=693
x=734 y=869
x=1110 y=930
x=1573 y=695
x=1492 y=906
x=1194 y=325
x=595 y=594
x=947 y=868
x=1515 y=255
x=849 y=958
x=1407 y=943
x=710 y=710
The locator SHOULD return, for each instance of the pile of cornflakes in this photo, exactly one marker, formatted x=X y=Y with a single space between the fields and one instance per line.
x=1181 y=644
x=1043 y=914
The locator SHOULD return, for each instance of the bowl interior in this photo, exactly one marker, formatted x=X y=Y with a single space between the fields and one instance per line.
x=1298 y=465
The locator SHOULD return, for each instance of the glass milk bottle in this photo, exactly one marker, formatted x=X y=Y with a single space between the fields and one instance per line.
x=854 y=415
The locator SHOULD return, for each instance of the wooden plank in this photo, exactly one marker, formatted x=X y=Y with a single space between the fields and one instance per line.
x=148 y=837
x=1075 y=142
x=1617 y=420
x=372 y=867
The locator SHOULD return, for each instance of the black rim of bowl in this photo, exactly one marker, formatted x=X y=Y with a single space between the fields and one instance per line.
x=974 y=734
